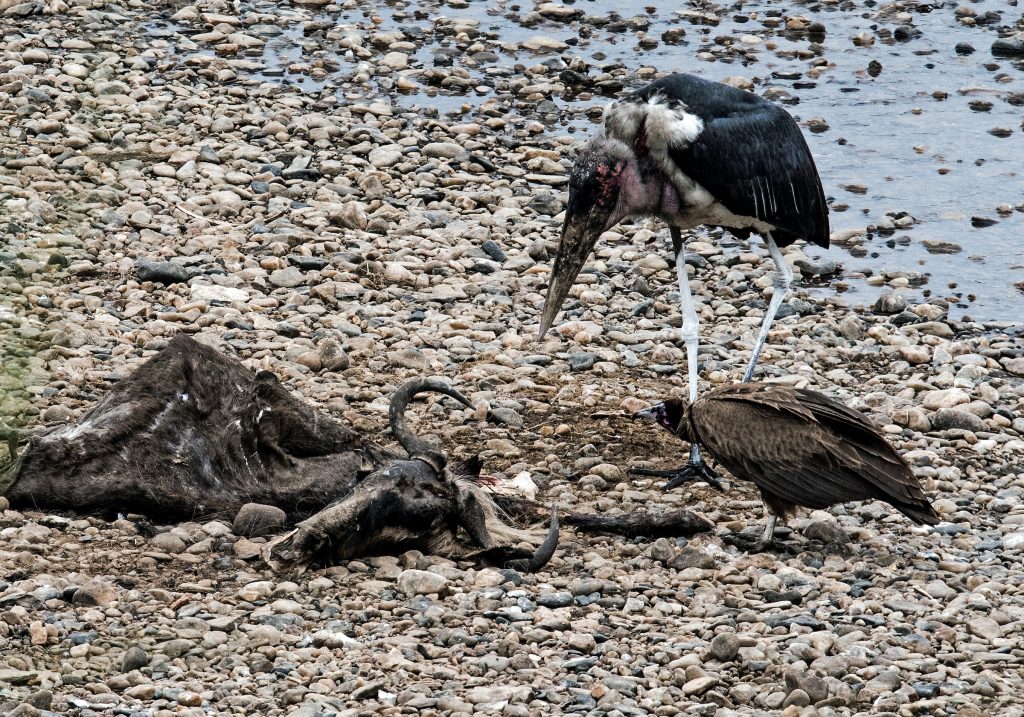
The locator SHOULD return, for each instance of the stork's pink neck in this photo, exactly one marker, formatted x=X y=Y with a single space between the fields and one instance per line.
x=646 y=191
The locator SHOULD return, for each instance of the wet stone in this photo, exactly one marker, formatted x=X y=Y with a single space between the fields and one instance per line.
x=1012 y=45
x=890 y=304
x=816 y=267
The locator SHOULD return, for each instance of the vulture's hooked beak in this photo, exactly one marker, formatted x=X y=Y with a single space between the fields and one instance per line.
x=650 y=413
x=670 y=415
x=655 y=413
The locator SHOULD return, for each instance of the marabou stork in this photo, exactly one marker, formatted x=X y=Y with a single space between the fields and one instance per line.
x=691 y=152
x=799 y=447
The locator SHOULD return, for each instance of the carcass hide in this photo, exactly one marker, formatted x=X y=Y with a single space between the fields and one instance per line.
x=192 y=433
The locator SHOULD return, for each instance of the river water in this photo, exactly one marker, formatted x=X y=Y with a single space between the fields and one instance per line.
x=920 y=150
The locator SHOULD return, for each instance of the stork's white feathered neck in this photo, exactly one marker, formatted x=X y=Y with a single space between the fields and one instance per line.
x=655 y=128
x=665 y=122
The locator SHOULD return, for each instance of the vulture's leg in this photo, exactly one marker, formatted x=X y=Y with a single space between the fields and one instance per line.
x=696 y=469
x=746 y=541
x=783 y=280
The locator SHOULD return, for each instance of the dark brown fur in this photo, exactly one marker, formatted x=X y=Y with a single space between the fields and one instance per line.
x=192 y=433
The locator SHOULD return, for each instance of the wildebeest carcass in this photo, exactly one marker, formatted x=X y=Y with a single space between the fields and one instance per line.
x=411 y=503
x=193 y=433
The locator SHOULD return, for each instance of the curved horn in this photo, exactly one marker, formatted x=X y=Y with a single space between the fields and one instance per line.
x=416 y=447
x=544 y=552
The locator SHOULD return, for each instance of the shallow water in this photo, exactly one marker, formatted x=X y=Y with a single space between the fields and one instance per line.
x=905 y=136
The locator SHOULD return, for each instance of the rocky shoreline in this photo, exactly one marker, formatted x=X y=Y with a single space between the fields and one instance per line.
x=348 y=241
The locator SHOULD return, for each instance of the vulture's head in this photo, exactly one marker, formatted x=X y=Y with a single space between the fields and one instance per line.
x=603 y=169
x=670 y=415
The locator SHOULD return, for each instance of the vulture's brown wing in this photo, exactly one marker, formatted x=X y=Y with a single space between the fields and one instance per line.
x=806 y=448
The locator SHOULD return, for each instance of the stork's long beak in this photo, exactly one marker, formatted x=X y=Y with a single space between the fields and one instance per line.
x=579 y=235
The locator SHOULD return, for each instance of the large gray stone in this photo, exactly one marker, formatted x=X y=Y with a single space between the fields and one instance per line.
x=421 y=582
x=255 y=520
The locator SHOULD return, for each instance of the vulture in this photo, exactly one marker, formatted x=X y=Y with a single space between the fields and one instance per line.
x=799 y=447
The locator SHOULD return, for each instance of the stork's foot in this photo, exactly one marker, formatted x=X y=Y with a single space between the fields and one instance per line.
x=692 y=471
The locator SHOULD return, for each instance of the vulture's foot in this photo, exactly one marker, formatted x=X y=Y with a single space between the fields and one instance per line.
x=756 y=542
x=750 y=543
x=693 y=471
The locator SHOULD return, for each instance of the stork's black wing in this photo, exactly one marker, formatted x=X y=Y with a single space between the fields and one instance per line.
x=751 y=156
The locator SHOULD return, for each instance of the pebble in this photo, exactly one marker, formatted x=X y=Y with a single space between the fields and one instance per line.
x=890 y=304
x=421 y=582
x=945 y=398
x=540 y=43
x=1012 y=45
x=947 y=418
x=168 y=543
x=333 y=356
x=96 y=592
x=287 y=278
x=1014 y=366
x=444 y=150
x=813 y=686
x=255 y=520
x=826 y=529
x=725 y=647
x=135 y=658
x=816 y=267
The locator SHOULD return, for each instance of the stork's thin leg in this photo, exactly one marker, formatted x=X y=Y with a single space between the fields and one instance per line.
x=783 y=280
x=691 y=322
x=696 y=468
x=769 y=530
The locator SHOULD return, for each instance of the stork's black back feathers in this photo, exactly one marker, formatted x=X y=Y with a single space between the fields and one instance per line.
x=750 y=155
x=802 y=448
